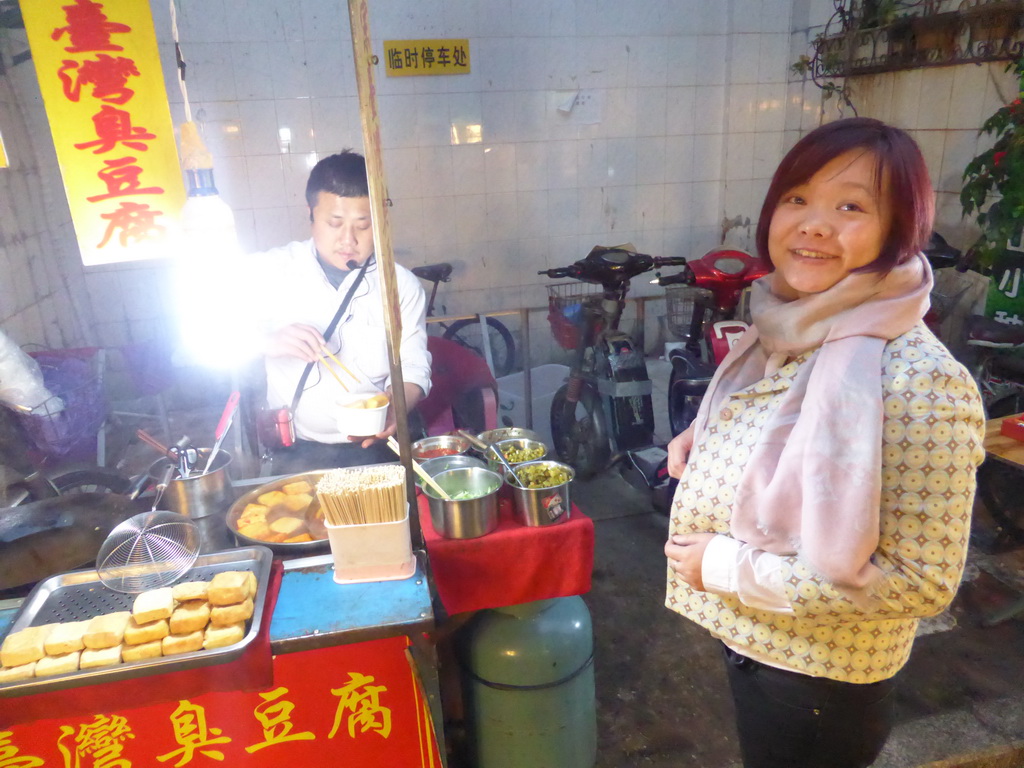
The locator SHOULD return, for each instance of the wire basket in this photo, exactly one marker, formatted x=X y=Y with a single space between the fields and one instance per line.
x=148 y=551
x=566 y=311
x=66 y=425
x=680 y=301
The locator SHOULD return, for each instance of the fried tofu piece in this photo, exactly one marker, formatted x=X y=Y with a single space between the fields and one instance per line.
x=58 y=665
x=286 y=527
x=299 y=502
x=218 y=637
x=106 y=630
x=25 y=646
x=190 y=590
x=258 y=531
x=190 y=617
x=66 y=637
x=100 y=657
x=223 y=615
x=150 y=650
x=298 y=487
x=229 y=587
x=153 y=604
x=193 y=641
x=137 y=634
x=270 y=498
x=302 y=538
x=20 y=672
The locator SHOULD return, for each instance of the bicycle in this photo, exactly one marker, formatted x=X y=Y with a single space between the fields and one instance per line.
x=605 y=406
x=498 y=347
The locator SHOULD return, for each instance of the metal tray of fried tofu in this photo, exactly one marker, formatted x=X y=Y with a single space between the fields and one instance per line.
x=81 y=595
x=318 y=545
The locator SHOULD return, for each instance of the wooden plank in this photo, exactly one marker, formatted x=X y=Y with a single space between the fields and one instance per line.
x=1002 y=447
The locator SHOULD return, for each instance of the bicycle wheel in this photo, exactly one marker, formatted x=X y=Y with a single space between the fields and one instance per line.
x=89 y=480
x=503 y=346
x=580 y=431
x=999 y=484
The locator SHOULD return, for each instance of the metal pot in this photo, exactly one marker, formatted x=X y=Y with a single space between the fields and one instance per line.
x=436 y=466
x=543 y=506
x=198 y=495
x=469 y=518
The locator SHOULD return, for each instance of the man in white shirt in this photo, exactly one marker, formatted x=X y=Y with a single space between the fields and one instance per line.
x=299 y=288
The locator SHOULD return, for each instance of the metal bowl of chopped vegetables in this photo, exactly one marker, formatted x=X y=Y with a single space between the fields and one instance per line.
x=473 y=509
x=545 y=498
x=516 y=451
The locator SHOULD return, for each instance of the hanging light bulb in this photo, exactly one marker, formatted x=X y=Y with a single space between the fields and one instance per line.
x=207 y=262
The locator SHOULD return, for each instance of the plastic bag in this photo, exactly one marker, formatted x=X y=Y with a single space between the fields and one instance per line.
x=21 y=380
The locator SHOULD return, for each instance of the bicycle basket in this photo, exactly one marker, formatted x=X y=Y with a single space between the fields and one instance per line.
x=66 y=424
x=566 y=316
x=679 y=308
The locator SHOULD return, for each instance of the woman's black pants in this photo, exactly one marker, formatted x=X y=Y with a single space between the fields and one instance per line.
x=789 y=720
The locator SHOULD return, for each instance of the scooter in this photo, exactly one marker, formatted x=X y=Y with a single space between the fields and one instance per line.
x=605 y=407
x=720 y=278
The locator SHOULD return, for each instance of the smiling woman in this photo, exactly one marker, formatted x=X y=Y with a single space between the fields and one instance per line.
x=819 y=472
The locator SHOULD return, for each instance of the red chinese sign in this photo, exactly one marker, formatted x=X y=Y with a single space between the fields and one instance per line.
x=345 y=705
x=102 y=84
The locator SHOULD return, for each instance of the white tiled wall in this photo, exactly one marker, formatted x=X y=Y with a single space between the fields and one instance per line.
x=689 y=110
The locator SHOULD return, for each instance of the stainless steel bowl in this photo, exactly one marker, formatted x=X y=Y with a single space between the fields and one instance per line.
x=436 y=466
x=465 y=518
x=507 y=433
x=452 y=443
x=317 y=546
x=520 y=443
x=543 y=506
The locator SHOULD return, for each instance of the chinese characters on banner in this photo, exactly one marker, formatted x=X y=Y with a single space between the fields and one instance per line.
x=103 y=88
x=344 y=705
x=426 y=57
x=1005 y=301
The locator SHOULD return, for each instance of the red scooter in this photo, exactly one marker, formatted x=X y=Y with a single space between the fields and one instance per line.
x=713 y=326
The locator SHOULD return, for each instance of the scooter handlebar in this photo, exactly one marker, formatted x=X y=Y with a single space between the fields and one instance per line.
x=669 y=261
x=557 y=272
x=682 y=278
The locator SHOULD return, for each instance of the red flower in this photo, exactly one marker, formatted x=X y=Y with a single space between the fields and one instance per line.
x=997 y=158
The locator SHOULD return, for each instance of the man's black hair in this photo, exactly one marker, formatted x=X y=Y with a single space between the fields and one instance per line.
x=343 y=174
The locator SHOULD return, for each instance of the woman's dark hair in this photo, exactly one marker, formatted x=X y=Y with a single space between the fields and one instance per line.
x=899 y=166
x=343 y=174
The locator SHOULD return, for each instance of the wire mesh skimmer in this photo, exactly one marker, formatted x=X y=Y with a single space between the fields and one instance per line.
x=148 y=551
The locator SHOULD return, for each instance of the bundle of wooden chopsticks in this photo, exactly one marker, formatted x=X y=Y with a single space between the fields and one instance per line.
x=329 y=356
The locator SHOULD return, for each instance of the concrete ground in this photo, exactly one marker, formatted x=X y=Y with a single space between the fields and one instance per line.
x=662 y=696
x=661 y=687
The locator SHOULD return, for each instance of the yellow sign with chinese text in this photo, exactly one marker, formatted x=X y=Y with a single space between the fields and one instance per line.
x=103 y=88
x=405 y=58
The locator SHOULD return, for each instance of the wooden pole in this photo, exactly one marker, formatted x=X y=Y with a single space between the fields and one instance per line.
x=365 y=61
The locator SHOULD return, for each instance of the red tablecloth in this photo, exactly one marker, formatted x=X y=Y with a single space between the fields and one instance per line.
x=513 y=564
x=252 y=671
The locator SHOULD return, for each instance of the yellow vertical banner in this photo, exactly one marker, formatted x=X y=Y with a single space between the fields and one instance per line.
x=103 y=88
x=3 y=154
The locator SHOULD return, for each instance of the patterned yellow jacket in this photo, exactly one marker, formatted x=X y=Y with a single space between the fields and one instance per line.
x=933 y=433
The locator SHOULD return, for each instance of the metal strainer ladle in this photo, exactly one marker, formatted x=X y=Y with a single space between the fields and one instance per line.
x=149 y=550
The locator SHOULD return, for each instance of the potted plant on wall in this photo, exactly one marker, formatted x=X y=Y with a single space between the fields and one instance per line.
x=994 y=190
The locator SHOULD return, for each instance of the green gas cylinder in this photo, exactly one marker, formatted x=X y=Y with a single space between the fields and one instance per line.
x=528 y=681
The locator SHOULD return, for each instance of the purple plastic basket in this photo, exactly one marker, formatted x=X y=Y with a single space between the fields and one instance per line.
x=66 y=425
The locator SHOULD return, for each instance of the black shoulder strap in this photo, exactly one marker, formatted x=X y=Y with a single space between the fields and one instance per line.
x=330 y=329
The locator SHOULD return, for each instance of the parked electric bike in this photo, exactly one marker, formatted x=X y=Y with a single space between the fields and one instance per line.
x=605 y=407
x=717 y=281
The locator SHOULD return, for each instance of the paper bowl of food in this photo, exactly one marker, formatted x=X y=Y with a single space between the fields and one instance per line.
x=438 y=446
x=363 y=414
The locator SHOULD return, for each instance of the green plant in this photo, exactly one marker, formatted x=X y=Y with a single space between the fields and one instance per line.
x=994 y=180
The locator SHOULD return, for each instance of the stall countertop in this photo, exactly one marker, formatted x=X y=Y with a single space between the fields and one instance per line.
x=313 y=611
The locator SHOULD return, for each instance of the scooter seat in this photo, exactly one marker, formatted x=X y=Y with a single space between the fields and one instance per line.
x=435 y=273
x=986 y=332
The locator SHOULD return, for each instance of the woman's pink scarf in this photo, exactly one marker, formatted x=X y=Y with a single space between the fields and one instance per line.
x=812 y=486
